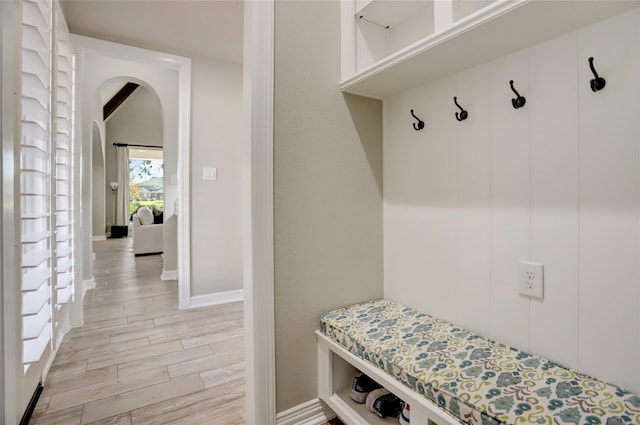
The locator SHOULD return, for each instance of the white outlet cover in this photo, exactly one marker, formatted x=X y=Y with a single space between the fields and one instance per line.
x=209 y=173
x=531 y=279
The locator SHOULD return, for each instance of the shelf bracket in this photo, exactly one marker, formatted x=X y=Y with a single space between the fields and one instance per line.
x=362 y=18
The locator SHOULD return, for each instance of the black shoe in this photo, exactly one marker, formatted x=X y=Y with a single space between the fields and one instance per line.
x=362 y=386
x=385 y=405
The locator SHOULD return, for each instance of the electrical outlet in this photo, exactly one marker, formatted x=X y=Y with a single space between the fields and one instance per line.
x=531 y=279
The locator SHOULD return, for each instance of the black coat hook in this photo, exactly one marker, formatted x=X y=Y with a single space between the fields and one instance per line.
x=419 y=125
x=597 y=83
x=462 y=115
x=519 y=101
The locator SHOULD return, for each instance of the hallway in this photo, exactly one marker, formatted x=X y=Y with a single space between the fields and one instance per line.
x=138 y=359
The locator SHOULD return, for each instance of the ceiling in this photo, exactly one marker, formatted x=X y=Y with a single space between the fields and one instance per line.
x=210 y=28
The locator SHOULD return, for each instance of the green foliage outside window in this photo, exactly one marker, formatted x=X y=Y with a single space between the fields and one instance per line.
x=145 y=184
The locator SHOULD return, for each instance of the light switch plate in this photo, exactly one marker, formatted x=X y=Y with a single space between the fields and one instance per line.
x=209 y=173
x=531 y=279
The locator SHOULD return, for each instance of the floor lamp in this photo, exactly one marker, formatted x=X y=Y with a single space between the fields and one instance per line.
x=114 y=190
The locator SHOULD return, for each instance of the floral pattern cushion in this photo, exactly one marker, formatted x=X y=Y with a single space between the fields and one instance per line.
x=476 y=380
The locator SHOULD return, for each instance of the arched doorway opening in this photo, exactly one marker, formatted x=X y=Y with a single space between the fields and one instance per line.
x=133 y=126
x=98 y=183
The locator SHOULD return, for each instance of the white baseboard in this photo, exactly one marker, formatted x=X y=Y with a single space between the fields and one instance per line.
x=216 y=298
x=88 y=284
x=313 y=412
x=99 y=238
x=169 y=275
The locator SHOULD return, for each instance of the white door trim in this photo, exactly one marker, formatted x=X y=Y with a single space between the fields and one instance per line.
x=258 y=212
x=184 y=182
x=9 y=293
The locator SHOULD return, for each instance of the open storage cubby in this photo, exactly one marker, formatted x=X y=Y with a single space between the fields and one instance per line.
x=336 y=369
x=389 y=46
x=462 y=8
x=385 y=27
x=343 y=374
x=362 y=411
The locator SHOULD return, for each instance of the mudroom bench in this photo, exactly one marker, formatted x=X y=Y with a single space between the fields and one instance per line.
x=450 y=375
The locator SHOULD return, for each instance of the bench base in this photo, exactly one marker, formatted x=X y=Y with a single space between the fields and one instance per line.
x=335 y=374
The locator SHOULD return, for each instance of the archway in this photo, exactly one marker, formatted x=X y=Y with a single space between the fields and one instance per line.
x=169 y=77
x=136 y=122
x=98 y=183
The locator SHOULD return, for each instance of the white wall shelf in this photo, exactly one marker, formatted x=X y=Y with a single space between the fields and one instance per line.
x=391 y=13
x=500 y=28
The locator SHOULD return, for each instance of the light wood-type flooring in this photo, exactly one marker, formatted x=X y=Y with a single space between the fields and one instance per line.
x=139 y=360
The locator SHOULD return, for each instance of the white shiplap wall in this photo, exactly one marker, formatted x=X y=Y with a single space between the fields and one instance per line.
x=556 y=182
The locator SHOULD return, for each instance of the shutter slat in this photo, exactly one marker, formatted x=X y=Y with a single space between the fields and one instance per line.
x=64 y=280
x=33 y=324
x=34 y=258
x=64 y=295
x=64 y=265
x=33 y=349
x=34 y=279
x=32 y=301
x=63 y=251
x=34 y=237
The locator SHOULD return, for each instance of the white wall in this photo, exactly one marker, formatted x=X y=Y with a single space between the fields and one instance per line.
x=556 y=182
x=138 y=120
x=216 y=205
x=327 y=191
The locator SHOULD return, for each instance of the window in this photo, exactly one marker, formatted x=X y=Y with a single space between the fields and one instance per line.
x=146 y=179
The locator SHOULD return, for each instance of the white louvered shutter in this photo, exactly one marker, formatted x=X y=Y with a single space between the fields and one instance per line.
x=35 y=180
x=64 y=163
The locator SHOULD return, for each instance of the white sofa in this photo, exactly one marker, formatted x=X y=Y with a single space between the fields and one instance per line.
x=147 y=237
